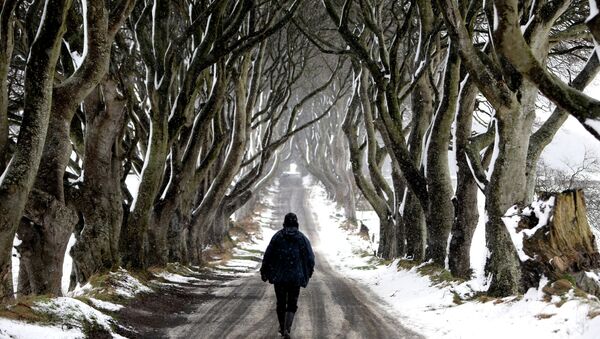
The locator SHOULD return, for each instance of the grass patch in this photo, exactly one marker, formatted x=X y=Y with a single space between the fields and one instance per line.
x=593 y=313
x=559 y=287
x=42 y=310
x=437 y=274
x=348 y=225
x=569 y=278
x=456 y=298
x=245 y=227
x=94 y=330
x=377 y=261
x=23 y=310
x=406 y=264
x=482 y=297
x=175 y=268
x=362 y=253
x=239 y=232
x=581 y=293
x=216 y=255
x=562 y=301
x=105 y=286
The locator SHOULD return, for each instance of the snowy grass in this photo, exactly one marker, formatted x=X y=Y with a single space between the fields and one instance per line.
x=74 y=313
x=118 y=285
x=61 y=317
x=438 y=307
x=85 y=312
x=19 y=329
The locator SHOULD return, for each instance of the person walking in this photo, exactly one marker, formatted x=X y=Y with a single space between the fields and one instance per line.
x=288 y=263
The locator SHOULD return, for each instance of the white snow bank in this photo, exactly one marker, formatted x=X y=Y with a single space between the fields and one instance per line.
x=128 y=286
x=176 y=278
x=105 y=305
x=348 y=251
x=121 y=284
x=431 y=310
x=541 y=209
x=22 y=330
x=242 y=263
x=73 y=312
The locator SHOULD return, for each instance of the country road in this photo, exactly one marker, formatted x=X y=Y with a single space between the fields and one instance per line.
x=330 y=307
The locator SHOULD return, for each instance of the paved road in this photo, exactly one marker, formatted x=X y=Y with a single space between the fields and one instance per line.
x=330 y=307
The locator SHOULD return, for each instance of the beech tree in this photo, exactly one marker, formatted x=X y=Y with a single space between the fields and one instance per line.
x=19 y=175
x=513 y=100
x=49 y=221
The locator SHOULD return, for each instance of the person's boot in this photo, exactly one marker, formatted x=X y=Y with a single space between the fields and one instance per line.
x=289 y=319
x=281 y=318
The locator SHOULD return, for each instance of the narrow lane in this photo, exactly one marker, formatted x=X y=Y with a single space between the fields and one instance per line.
x=330 y=307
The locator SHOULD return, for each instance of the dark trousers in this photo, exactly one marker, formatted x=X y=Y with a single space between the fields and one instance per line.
x=287 y=300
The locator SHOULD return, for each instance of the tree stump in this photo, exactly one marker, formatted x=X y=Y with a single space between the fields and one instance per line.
x=564 y=246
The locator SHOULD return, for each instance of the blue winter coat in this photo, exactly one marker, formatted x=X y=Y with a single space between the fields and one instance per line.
x=289 y=258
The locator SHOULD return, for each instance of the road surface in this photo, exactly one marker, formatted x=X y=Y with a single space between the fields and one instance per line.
x=330 y=307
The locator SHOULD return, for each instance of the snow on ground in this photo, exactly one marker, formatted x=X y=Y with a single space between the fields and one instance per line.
x=105 y=305
x=68 y=315
x=430 y=309
x=121 y=284
x=18 y=329
x=540 y=208
x=176 y=278
x=73 y=312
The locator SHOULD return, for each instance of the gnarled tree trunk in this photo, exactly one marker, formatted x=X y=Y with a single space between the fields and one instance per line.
x=467 y=214
x=18 y=178
x=65 y=99
x=44 y=242
x=441 y=209
x=96 y=249
x=507 y=186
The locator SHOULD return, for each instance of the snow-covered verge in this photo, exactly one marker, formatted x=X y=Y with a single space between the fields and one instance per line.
x=84 y=312
x=431 y=303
